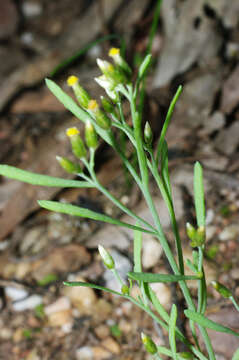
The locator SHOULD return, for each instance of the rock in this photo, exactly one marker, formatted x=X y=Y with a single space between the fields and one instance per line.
x=15 y=294
x=102 y=310
x=151 y=251
x=27 y=304
x=230 y=232
x=228 y=139
x=8 y=18
x=230 y=92
x=109 y=236
x=64 y=259
x=40 y=101
x=5 y=333
x=235 y=273
x=100 y=353
x=84 y=353
x=61 y=304
x=214 y=123
x=102 y=331
x=83 y=298
x=163 y=294
x=123 y=266
x=61 y=318
x=111 y=345
x=185 y=42
x=31 y=9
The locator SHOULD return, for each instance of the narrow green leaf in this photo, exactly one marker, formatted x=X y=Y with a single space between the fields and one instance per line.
x=171 y=333
x=86 y=213
x=71 y=105
x=199 y=194
x=164 y=278
x=205 y=322
x=236 y=355
x=156 y=303
x=137 y=251
x=41 y=180
x=164 y=167
x=167 y=121
x=93 y=286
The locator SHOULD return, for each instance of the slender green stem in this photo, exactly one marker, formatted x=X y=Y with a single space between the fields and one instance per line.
x=144 y=174
x=168 y=200
x=202 y=294
x=234 y=302
x=117 y=276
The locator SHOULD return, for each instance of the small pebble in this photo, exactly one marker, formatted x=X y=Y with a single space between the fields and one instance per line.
x=111 y=345
x=31 y=9
x=229 y=232
x=15 y=294
x=152 y=251
x=84 y=353
x=30 y=303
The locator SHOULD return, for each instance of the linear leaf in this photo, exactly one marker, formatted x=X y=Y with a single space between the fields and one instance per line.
x=199 y=194
x=155 y=278
x=41 y=180
x=93 y=286
x=164 y=167
x=86 y=213
x=137 y=251
x=171 y=333
x=71 y=105
x=167 y=121
x=205 y=322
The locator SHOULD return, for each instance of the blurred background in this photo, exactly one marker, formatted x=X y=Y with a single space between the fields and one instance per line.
x=193 y=43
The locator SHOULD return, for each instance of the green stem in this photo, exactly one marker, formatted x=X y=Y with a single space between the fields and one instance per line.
x=168 y=200
x=118 y=278
x=234 y=302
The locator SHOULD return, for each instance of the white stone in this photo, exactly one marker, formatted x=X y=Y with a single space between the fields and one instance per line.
x=15 y=294
x=163 y=293
x=31 y=9
x=151 y=251
x=63 y=303
x=84 y=353
x=30 y=303
x=229 y=232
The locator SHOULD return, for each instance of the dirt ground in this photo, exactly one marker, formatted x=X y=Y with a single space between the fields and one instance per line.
x=196 y=45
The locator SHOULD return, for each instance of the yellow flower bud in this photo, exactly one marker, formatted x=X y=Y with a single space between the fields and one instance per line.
x=90 y=136
x=68 y=165
x=81 y=94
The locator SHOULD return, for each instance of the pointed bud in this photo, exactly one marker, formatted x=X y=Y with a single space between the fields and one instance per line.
x=149 y=344
x=225 y=292
x=114 y=53
x=111 y=72
x=201 y=235
x=90 y=136
x=107 y=105
x=100 y=117
x=144 y=66
x=148 y=135
x=191 y=231
x=68 y=165
x=125 y=290
x=108 y=86
x=106 y=257
x=81 y=94
x=78 y=147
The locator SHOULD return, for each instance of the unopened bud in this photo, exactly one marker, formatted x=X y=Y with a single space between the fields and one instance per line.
x=111 y=72
x=107 y=105
x=125 y=290
x=144 y=66
x=90 y=136
x=149 y=344
x=114 y=53
x=191 y=231
x=148 y=135
x=78 y=147
x=106 y=257
x=68 y=165
x=225 y=292
x=81 y=94
x=100 y=117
